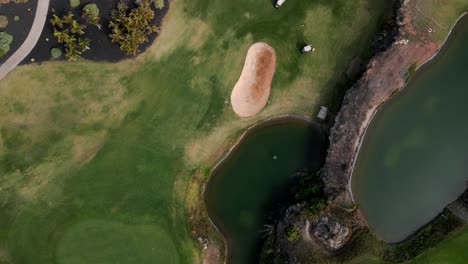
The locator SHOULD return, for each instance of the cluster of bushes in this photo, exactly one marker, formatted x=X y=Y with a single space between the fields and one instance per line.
x=68 y=31
x=309 y=189
x=130 y=24
x=132 y=27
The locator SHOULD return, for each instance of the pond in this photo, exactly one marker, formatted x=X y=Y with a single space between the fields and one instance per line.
x=414 y=158
x=256 y=176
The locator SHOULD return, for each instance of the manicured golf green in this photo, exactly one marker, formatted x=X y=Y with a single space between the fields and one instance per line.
x=96 y=157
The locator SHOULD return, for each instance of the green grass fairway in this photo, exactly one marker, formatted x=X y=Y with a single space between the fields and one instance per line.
x=453 y=250
x=95 y=158
x=137 y=244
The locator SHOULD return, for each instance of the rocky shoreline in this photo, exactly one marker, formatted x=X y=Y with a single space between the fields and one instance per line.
x=386 y=74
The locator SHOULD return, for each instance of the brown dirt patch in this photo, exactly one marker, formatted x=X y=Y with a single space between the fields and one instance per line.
x=252 y=90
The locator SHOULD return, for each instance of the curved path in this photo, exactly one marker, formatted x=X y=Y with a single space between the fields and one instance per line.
x=33 y=36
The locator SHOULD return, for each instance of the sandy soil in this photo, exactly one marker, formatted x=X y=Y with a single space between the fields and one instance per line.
x=252 y=90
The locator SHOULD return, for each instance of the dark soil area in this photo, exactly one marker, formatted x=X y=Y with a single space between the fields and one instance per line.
x=18 y=29
x=102 y=48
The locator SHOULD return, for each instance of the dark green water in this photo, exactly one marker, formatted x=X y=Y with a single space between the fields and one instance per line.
x=250 y=182
x=414 y=158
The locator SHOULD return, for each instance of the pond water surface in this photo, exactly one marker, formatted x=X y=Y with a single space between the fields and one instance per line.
x=414 y=158
x=256 y=176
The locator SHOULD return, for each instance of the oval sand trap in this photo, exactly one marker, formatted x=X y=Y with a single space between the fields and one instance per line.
x=252 y=90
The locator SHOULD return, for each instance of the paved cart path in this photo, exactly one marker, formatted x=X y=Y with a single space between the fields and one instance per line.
x=33 y=36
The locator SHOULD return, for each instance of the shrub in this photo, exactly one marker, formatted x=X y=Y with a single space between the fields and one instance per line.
x=411 y=71
x=317 y=205
x=308 y=187
x=91 y=14
x=5 y=41
x=3 y=21
x=159 y=4
x=74 y=3
x=16 y=18
x=56 y=53
x=293 y=234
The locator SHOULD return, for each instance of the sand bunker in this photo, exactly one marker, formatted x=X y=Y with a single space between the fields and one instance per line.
x=252 y=90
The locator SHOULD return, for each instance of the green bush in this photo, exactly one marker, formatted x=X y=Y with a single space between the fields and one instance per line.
x=3 y=21
x=91 y=9
x=411 y=70
x=317 y=205
x=56 y=53
x=91 y=13
x=5 y=41
x=16 y=18
x=308 y=188
x=74 y=3
x=159 y=4
x=293 y=234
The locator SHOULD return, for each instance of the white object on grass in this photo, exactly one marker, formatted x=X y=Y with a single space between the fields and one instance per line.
x=279 y=3
x=307 y=48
